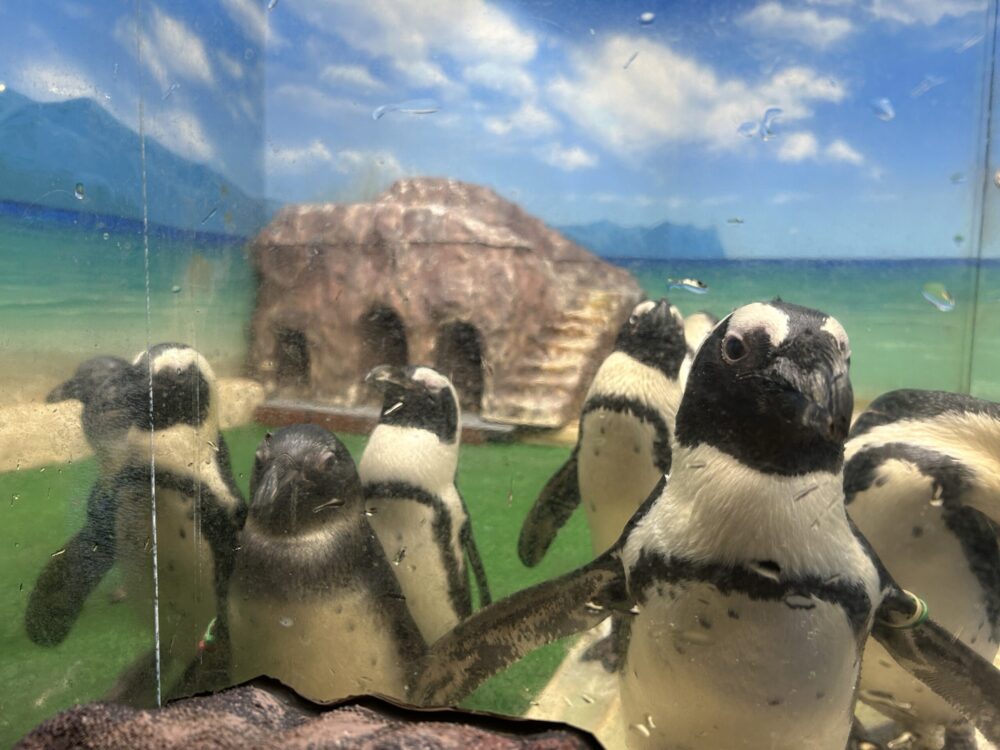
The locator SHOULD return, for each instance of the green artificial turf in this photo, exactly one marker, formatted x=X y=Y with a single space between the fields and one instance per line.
x=45 y=506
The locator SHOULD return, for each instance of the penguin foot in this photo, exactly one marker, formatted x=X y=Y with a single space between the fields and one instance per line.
x=959 y=736
x=860 y=739
x=605 y=651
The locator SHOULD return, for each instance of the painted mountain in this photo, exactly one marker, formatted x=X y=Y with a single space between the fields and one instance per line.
x=665 y=240
x=74 y=155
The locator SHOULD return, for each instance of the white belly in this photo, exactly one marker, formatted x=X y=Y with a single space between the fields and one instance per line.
x=405 y=530
x=325 y=649
x=185 y=566
x=923 y=556
x=616 y=470
x=777 y=678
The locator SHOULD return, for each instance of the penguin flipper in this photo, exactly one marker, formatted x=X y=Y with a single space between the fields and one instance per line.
x=945 y=664
x=475 y=562
x=72 y=574
x=498 y=635
x=555 y=504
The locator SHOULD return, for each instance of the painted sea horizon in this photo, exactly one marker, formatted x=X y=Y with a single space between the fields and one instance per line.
x=73 y=286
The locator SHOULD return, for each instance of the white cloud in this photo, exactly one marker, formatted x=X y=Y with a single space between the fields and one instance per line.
x=251 y=16
x=780 y=199
x=379 y=166
x=412 y=32
x=313 y=101
x=509 y=80
x=720 y=200
x=55 y=81
x=292 y=158
x=350 y=75
x=231 y=65
x=529 y=120
x=182 y=133
x=806 y=26
x=568 y=159
x=840 y=150
x=927 y=12
x=169 y=50
x=384 y=162
x=798 y=146
x=672 y=99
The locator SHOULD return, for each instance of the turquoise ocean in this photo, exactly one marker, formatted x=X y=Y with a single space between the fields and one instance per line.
x=74 y=285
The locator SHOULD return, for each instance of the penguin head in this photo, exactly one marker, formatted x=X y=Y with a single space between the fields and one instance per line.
x=417 y=397
x=654 y=335
x=183 y=386
x=303 y=479
x=770 y=387
x=87 y=379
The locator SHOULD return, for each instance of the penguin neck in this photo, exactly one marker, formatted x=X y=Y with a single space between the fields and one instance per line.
x=716 y=509
x=409 y=454
x=624 y=376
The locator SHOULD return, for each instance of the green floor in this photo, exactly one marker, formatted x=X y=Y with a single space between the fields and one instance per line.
x=44 y=506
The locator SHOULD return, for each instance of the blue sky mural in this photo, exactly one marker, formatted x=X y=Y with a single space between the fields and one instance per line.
x=635 y=112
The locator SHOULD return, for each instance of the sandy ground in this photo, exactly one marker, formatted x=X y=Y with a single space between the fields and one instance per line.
x=33 y=433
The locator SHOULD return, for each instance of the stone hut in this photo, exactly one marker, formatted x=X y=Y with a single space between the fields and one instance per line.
x=437 y=272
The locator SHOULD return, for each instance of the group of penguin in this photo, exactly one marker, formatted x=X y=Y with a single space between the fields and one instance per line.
x=724 y=510
x=334 y=578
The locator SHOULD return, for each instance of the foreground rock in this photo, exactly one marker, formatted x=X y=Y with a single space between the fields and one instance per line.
x=265 y=715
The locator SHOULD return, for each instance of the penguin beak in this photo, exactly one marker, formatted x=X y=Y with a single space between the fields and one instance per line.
x=386 y=375
x=818 y=395
x=72 y=388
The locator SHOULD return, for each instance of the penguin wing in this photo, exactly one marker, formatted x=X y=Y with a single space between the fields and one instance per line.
x=72 y=573
x=945 y=664
x=551 y=510
x=498 y=635
x=475 y=561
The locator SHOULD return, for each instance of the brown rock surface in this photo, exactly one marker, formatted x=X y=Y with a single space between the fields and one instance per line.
x=442 y=261
x=265 y=715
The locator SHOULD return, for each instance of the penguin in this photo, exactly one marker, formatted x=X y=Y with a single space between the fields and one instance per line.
x=313 y=600
x=408 y=472
x=697 y=326
x=623 y=448
x=922 y=481
x=751 y=593
x=158 y=418
x=87 y=379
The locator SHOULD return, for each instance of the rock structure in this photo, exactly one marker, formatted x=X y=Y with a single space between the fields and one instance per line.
x=434 y=272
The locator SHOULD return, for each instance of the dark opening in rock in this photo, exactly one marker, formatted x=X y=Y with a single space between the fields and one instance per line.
x=291 y=358
x=458 y=354
x=383 y=339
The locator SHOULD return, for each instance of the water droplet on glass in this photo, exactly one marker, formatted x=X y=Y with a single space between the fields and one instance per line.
x=594 y=607
x=106 y=235
x=370 y=512
x=695 y=286
x=796 y=601
x=695 y=637
x=957 y=178
x=210 y=214
x=883 y=109
x=969 y=43
x=3 y=87
x=286 y=622
x=271 y=4
x=935 y=293
x=958 y=239
x=936 y=502
x=175 y=289
x=929 y=82
x=586 y=698
x=171 y=89
x=748 y=129
x=410 y=107
x=767 y=569
x=634 y=610
x=79 y=191
x=641 y=729
x=996 y=178
x=248 y=54
x=593 y=32
x=768 y=122
x=399 y=556
x=734 y=220
x=646 y=18
x=630 y=60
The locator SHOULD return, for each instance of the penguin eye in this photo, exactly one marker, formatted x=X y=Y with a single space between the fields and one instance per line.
x=633 y=319
x=733 y=348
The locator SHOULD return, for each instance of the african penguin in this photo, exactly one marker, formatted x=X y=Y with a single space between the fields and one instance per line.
x=623 y=448
x=198 y=513
x=922 y=479
x=751 y=593
x=313 y=600
x=697 y=326
x=408 y=471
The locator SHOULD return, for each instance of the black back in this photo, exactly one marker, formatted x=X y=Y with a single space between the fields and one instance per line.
x=655 y=338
